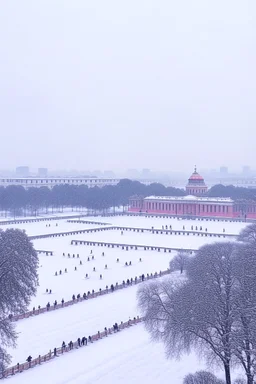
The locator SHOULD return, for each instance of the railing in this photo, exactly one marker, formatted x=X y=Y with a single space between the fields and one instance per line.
x=39 y=251
x=76 y=221
x=109 y=227
x=18 y=368
x=38 y=219
x=67 y=233
x=126 y=247
x=90 y=295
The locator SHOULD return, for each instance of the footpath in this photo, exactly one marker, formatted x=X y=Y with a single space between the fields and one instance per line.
x=72 y=346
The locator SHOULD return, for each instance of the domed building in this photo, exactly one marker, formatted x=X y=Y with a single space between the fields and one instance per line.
x=196 y=185
x=195 y=204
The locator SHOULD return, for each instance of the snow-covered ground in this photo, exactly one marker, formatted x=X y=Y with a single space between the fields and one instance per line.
x=127 y=357
x=74 y=282
x=146 y=238
x=39 y=334
x=230 y=227
x=51 y=226
x=42 y=214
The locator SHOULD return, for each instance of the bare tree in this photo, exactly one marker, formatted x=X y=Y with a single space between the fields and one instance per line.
x=248 y=234
x=198 y=313
x=245 y=329
x=202 y=377
x=179 y=262
x=18 y=282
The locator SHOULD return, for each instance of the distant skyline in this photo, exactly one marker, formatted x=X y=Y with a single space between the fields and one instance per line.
x=23 y=171
x=113 y=85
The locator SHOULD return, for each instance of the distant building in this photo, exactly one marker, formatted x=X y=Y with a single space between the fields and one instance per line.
x=22 y=171
x=195 y=204
x=42 y=172
x=50 y=182
x=223 y=171
x=246 y=170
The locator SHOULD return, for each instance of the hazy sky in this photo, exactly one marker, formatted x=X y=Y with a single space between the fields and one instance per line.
x=116 y=84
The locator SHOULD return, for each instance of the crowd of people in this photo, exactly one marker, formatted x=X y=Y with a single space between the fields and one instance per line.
x=192 y=228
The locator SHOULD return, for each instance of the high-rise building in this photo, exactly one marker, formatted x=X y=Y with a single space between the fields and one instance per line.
x=246 y=170
x=42 y=172
x=22 y=171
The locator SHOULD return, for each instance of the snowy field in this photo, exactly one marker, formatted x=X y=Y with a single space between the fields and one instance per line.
x=51 y=226
x=127 y=357
x=42 y=214
x=146 y=238
x=39 y=334
x=231 y=227
x=74 y=281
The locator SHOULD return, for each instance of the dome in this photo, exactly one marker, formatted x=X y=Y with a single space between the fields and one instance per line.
x=196 y=185
x=195 y=176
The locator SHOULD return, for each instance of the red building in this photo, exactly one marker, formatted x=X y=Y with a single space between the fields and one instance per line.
x=196 y=205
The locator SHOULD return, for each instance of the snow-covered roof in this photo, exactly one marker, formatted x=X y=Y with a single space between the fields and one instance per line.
x=192 y=198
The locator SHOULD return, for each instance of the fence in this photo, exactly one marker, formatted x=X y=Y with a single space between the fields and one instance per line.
x=187 y=217
x=170 y=231
x=90 y=295
x=68 y=233
x=39 y=251
x=109 y=227
x=87 y=222
x=131 y=246
x=18 y=368
x=38 y=219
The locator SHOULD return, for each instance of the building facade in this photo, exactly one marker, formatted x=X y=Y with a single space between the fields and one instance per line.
x=194 y=205
x=22 y=171
x=50 y=182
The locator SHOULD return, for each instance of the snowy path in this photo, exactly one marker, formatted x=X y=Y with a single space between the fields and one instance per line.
x=127 y=357
x=40 y=333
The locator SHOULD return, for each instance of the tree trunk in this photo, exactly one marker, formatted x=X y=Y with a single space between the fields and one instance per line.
x=227 y=373
x=249 y=378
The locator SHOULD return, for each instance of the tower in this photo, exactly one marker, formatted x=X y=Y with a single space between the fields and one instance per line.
x=196 y=185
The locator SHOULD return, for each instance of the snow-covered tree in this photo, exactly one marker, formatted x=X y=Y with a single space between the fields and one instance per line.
x=248 y=234
x=202 y=377
x=245 y=329
x=18 y=282
x=179 y=262
x=199 y=312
